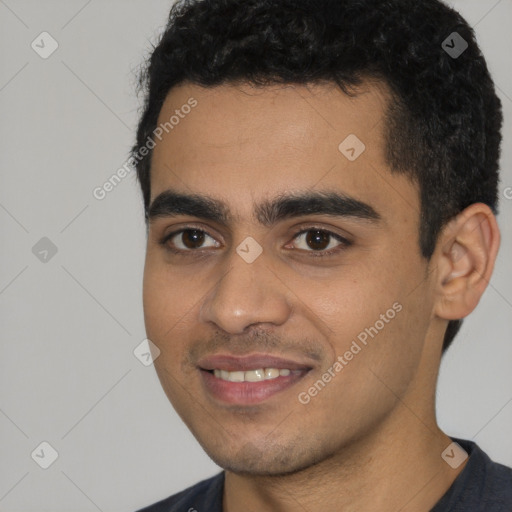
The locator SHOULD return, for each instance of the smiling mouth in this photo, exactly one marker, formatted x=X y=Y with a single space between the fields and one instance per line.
x=253 y=375
x=249 y=379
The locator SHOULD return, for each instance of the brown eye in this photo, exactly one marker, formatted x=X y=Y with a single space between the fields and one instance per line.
x=319 y=240
x=192 y=238
x=189 y=240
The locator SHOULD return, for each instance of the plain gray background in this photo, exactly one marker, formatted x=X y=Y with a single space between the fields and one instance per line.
x=68 y=375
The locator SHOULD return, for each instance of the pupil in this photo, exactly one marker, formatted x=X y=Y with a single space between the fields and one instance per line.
x=317 y=239
x=193 y=237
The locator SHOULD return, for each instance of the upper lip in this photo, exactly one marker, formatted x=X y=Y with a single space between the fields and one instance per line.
x=230 y=362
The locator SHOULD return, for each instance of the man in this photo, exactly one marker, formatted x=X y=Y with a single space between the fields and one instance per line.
x=320 y=186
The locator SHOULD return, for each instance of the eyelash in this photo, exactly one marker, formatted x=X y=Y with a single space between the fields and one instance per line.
x=344 y=243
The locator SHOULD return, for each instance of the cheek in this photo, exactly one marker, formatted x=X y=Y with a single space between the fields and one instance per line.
x=164 y=304
x=338 y=309
x=167 y=320
x=369 y=303
x=350 y=300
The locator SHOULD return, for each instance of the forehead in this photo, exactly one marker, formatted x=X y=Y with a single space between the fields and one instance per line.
x=241 y=142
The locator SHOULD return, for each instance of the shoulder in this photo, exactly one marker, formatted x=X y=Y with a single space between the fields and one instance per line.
x=205 y=496
x=483 y=485
x=496 y=486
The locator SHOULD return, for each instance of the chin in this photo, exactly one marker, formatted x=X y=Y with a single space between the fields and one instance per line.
x=268 y=461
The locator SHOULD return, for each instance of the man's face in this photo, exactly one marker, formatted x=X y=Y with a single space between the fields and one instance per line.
x=333 y=278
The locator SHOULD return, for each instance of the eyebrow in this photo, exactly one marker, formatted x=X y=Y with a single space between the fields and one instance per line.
x=171 y=203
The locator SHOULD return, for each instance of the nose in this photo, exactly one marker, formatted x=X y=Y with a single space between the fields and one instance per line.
x=247 y=294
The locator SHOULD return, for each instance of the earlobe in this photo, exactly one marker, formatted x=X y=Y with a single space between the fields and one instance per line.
x=468 y=246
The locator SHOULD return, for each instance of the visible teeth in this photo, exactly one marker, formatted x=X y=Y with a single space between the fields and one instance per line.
x=271 y=373
x=235 y=376
x=253 y=375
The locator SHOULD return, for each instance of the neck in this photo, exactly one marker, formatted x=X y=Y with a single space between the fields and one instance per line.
x=396 y=466
x=388 y=472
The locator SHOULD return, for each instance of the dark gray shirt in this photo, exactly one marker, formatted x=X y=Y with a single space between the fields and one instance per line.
x=482 y=486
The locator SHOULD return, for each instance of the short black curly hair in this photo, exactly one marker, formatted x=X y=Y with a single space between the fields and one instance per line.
x=443 y=122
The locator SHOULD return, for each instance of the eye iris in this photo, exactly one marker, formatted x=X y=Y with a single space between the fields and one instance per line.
x=317 y=240
x=193 y=237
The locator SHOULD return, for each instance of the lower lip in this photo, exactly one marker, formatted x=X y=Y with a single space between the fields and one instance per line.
x=246 y=393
